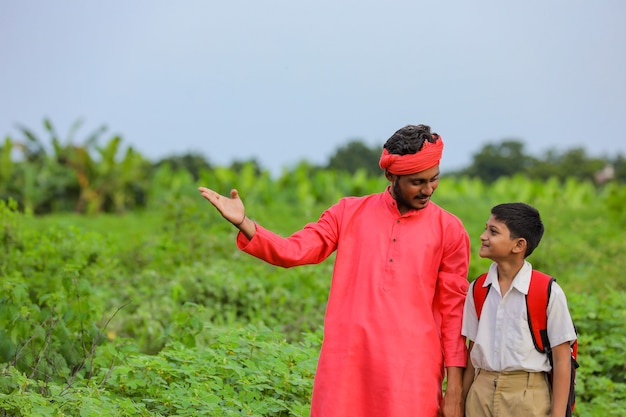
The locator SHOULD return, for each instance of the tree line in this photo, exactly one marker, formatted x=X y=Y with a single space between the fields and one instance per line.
x=99 y=174
x=506 y=158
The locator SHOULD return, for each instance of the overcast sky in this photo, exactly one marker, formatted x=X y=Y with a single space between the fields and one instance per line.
x=286 y=80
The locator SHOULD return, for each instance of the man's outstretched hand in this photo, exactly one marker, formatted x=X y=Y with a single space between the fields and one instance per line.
x=231 y=208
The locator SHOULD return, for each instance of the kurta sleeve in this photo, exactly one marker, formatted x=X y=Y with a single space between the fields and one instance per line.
x=310 y=245
x=452 y=285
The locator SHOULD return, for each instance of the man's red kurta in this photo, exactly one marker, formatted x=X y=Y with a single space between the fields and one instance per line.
x=395 y=305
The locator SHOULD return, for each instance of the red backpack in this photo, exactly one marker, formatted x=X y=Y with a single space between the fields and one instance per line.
x=536 y=306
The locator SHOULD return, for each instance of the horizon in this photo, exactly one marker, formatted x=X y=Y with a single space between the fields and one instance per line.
x=284 y=82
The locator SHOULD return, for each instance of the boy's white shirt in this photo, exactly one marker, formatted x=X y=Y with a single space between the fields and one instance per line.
x=502 y=339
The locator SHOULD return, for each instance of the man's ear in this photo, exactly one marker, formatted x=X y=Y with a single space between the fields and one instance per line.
x=389 y=176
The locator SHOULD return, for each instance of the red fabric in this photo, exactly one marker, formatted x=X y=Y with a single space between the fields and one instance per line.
x=428 y=157
x=399 y=283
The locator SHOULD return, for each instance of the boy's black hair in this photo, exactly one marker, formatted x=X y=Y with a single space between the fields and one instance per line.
x=523 y=221
x=409 y=139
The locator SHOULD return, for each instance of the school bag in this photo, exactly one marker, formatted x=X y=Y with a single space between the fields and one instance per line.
x=536 y=306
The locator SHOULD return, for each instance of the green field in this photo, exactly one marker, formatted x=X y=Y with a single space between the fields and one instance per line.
x=156 y=313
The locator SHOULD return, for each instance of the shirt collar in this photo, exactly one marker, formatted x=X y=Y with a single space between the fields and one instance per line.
x=521 y=282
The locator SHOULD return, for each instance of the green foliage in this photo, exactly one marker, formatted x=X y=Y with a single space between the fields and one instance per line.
x=49 y=320
x=498 y=160
x=574 y=161
x=601 y=380
x=616 y=201
x=84 y=177
x=239 y=372
x=192 y=163
x=248 y=371
x=91 y=178
x=355 y=156
x=508 y=158
x=156 y=312
x=7 y=170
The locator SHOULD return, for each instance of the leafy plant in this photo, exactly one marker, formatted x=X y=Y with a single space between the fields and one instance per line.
x=156 y=312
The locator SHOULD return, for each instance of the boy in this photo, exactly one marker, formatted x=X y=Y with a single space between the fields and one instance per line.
x=505 y=374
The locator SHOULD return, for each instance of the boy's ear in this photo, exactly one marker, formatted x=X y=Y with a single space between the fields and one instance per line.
x=520 y=245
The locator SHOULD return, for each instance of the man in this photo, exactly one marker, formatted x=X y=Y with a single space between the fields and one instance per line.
x=395 y=305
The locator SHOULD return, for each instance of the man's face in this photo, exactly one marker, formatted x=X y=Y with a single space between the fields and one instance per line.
x=413 y=191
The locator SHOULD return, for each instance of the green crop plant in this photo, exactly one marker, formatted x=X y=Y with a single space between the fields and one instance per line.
x=155 y=312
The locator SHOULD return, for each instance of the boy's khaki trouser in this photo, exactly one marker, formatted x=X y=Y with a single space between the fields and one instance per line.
x=509 y=394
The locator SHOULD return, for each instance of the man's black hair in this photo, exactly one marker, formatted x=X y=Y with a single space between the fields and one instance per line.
x=409 y=139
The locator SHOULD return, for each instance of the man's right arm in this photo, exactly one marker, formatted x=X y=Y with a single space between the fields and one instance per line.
x=247 y=227
x=468 y=374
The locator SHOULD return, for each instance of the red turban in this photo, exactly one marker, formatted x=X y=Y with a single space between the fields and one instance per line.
x=427 y=157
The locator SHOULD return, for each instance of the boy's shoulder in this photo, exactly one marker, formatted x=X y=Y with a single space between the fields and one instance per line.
x=539 y=286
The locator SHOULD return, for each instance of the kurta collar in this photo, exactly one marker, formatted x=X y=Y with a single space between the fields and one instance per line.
x=389 y=201
x=521 y=282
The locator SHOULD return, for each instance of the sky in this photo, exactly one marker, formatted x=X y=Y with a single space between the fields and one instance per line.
x=283 y=81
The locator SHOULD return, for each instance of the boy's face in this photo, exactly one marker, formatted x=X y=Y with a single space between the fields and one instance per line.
x=496 y=241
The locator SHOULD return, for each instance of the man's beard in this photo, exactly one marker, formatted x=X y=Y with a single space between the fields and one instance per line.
x=400 y=200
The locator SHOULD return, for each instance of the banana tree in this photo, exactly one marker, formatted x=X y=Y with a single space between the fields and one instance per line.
x=74 y=176
x=106 y=183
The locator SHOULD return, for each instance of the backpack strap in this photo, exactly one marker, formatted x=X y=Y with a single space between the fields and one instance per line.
x=480 y=293
x=537 y=306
